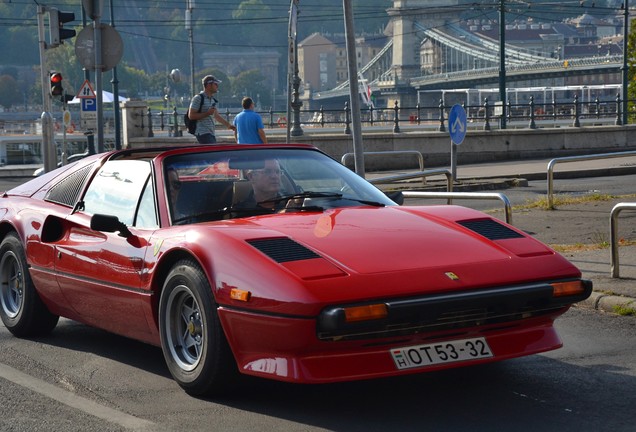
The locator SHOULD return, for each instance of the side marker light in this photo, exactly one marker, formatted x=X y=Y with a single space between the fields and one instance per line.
x=241 y=295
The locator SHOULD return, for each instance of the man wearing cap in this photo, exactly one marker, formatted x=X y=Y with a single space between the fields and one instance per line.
x=205 y=116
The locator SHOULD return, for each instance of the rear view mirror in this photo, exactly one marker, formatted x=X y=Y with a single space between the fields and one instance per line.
x=247 y=163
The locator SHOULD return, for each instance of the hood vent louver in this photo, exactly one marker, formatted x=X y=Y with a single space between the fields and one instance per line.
x=283 y=249
x=490 y=229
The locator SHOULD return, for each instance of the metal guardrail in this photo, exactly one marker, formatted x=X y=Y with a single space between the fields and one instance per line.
x=420 y=158
x=449 y=194
x=466 y=195
x=553 y=162
x=423 y=174
x=614 y=261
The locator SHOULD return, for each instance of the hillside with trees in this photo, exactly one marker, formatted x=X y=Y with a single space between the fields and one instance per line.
x=155 y=31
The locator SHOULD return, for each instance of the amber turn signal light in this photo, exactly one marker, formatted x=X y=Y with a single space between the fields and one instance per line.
x=365 y=313
x=241 y=295
x=562 y=289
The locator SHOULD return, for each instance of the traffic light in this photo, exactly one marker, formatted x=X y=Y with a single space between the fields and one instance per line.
x=57 y=32
x=56 y=84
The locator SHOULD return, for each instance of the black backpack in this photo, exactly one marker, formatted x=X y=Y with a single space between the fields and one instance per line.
x=191 y=125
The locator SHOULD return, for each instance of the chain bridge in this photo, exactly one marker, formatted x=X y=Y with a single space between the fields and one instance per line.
x=430 y=51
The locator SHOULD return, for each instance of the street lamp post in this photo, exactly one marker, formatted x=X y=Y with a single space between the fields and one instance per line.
x=188 y=25
x=293 y=80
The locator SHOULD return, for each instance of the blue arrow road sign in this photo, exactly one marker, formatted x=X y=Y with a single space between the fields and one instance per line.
x=457 y=124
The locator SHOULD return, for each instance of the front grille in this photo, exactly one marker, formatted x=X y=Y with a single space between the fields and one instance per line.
x=456 y=320
x=452 y=311
x=283 y=249
x=490 y=229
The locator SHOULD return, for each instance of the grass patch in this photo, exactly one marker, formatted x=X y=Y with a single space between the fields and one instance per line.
x=561 y=200
x=581 y=247
x=625 y=310
x=577 y=247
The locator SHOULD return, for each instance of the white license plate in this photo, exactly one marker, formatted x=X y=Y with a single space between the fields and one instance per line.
x=442 y=352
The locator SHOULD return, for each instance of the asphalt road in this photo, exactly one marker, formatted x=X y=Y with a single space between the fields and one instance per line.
x=83 y=379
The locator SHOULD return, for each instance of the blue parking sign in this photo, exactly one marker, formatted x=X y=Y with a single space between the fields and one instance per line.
x=89 y=104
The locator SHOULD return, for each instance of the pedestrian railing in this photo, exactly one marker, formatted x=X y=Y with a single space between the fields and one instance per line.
x=420 y=158
x=412 y=175
x=449 y=194
x=466 y=195
x=484 y=116
x=553 y=162
x=614 y=260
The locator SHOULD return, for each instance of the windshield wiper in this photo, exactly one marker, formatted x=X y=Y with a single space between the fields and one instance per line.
x=311 y=208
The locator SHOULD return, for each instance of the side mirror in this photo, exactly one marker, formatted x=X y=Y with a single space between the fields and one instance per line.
x=396 y=196
x=108 y=223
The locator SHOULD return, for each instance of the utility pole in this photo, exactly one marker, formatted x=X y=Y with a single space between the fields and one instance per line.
x=354 y=96
x=115 y=83
x=502 y=61
x=188 y=25
x=99 y=68
x=49 y=153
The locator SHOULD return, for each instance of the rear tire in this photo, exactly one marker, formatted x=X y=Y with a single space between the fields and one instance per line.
x=21 y=308
x=193 y=343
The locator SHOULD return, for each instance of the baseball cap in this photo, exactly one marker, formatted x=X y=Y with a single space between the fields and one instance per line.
x=208 y=79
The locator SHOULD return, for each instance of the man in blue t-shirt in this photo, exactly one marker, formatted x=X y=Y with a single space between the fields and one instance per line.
x=249 y=125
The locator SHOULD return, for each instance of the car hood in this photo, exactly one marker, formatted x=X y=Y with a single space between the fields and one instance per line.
x=368 y=240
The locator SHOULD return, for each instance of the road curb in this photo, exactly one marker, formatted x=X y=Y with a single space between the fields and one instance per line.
x=608 y=303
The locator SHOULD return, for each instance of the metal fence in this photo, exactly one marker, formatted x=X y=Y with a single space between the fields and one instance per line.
x=487 y=116
x=397 y=118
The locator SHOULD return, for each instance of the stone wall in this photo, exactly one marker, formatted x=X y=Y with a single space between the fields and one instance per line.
x=478 y=146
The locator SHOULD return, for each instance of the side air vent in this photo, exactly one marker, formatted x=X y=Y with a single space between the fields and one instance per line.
x=66 y=191
x=283 y=249
x=490 y=229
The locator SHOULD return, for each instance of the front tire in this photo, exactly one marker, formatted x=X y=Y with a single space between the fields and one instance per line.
x=21 y=308
x=194 y=346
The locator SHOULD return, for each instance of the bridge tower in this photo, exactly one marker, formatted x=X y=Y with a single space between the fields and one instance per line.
x=406 y=36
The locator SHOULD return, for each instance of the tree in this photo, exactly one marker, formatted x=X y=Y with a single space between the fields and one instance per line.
x=251 y=83
x=9 y=92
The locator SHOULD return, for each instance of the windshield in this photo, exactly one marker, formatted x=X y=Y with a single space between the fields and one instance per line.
x=219 y=185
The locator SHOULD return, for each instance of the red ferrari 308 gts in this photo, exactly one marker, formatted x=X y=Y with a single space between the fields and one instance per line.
x=275 y=261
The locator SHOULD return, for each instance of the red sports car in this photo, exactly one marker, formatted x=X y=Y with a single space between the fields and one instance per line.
x=275 y=261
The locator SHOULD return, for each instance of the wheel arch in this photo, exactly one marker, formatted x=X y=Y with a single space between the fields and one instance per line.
x=6 y=228
x=164 y=265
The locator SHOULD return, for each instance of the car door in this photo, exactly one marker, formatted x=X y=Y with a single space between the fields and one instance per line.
x=100 y=273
